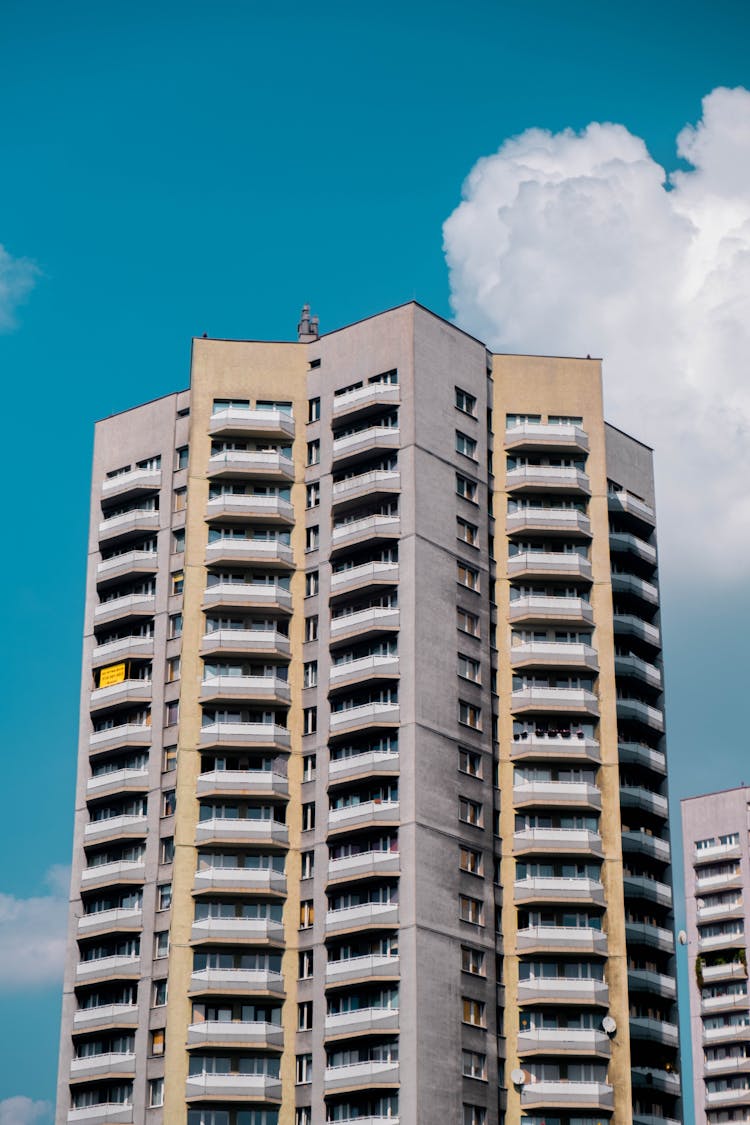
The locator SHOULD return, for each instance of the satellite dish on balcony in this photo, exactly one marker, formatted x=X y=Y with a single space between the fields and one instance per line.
x=682 y=937
x=518 y=1077
x=609 y=1025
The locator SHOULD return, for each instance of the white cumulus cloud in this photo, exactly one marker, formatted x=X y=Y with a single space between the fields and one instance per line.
x=24 y=1111
x=32 y=939
x=580 y=243
x=17 y=278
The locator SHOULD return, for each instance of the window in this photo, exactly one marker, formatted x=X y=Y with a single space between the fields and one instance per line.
x=308 y=816
x=473 y=1012
x=307 y=865
x=311 y=628
x=467 y=532
x=303 y=1113
x=304 y=1015
x=470 y=860
x=169 y=758
x=466 y=445
x=280 y=406
x=469 y=761
x=159 y=994
x=466 y=402
x=305 y=964
x=178 y=541
x=311 y=583
x=468 y=576
x=164 y=896
x=310 y=720
x=312 y=495
x=470 y=812
x=474 y=1115
x=161 y=943
x=471 y=910
x=166 y=851
x=156 y=1046
x=181 y=457
x=310 y=673
x=472 y=961
x=308 y=767
x=168 y=802
x=469 y=715
x=306 y=914
x=172 y=710
x=173 y=669
x=177 y=583
x=312 y=538
x=474 y=1065
x=230 y=404
x=155 y=1092
x=466 y=488
x=313 y=452
x=304 y=1069
x=468 y=668
x=468 y=622
x=175 y=625
x=313 y=410
x=180 y=499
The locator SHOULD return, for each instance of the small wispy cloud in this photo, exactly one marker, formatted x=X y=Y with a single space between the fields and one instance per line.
x=32 y=939
x=21 y=1110
x=579 y=243
x=17 y=279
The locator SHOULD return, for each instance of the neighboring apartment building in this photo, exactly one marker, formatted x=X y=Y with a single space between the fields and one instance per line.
x=371 y=819
x=717 y=889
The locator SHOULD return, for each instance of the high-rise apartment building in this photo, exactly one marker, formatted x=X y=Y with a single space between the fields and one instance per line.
x=371 y=820
x=717 y=889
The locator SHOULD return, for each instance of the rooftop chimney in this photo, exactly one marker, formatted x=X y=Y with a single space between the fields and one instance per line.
x=307 y=329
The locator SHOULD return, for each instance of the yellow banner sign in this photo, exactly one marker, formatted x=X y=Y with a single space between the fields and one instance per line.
x=114 y=674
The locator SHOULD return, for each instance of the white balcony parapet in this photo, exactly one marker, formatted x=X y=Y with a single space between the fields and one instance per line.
x=729 y=1097
x=363 y=667
x=355 y=576
x=546 y=435
x=250 y=505
x=712 y=851
x=244 y=419
x=239 y=878
x=366 y=914
x=104 y=1014
x=244 y=734
x=124 y=692
x=644 y=932
x=624 y=541
x=125 y=918
x=363 y=813
x=554 y=698
x=547 y=476
x=123 y=646
x=114 y=825
x=658 y=1030
x=738 y=1064
x=242 y=929
x=564 y=520
x=631 y=584
x=135 y=519
x=117 y=1112
x=232 y=1085
x=117 y=780
x=237 y=828
x=236 y=980
x=243 y=461
x=648 y=981
x=243 y=550
x=374 y=761
x=375 y=617
x=364 y=863
x=126 y=870
x=639 y=886
x=555 y=654
x=563 y=1039
x=373 y=437
x=377 y=480
x=114 y=966
x=129 y=560
x=262 y=594
x=363 y=1019
x=562 y=939
x=578 y=991
x=640 y=797
x=370 y=394
x=365 y=528
x=594 y=1094
x=559 y=792
x=558 y=889
x=541 y=606
x=235 y=1033
x=630 y=625
x=379 y=1072
x=144 y=604
x=555 y=747
x=549 y=562
x=735 y=907
x=650 y=845
x=134 y=478
x=638 y=710
x=367 y=713
x=643 y=755
x=558 y=840
x=112 y=1062
x=242 y=781
x=640 y=669
x=245 y=687
x=261 y=641
x=623 y=501
x=374 y=965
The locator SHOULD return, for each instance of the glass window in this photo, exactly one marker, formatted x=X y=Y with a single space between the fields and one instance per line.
x=468 y=668
x=311 y=583
x=466 y=488
x=467 y=532
x=470 y=761
x=466 y=402
x=156 y=1092
x=313 y=452
x=157 y=1042
x=313 y=410
x=468 y=576
x=466 y=445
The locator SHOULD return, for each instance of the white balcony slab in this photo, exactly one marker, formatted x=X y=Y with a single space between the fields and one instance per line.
x=365 y=441
x=245 y=734
x=94 y=1065
x=566 y=841
x=251 y=688
x=370 y=966
x=250 y=505
x=243 y=782
x=116 y=695
x=365 y=813
x=363 y=864
x=364 y=621
x=367 y=528
x=558 y=563
x=543 y=608
x=124 y=966
x=119 y=1113
x=362 y=398
x=562 y=939
x=597 y=1095
x=117 y=781
x=366 y=574
x=128 y=523
x=243 y=981
x=557 y=793
x=248 y=551
x=240 y=879
x=135 y=480
x=247 y=595
x=546 y=435
x=560 y=989
x=366 y=484
x=239 y=420
x=127 y=871
x=116 y=826
x=249 y=462
x=259 y=642
x=235 y=1033
x=368 y=914
x=361 y=1074
x=563 y=1040
x=565 y=478
x=224 y=830
x=237 y=929
x=557 y=747
x=129 y=562
x=539 y=889
x=360 y=765
x=233 y=1086
x=552 y=654
x=117 y=919
x=554 y=521
x=131 y=605
x=362 y=1020
x=369 y=714
x=659 y=1031
x=105 y=1015
x=542 y=699
x=121 y=648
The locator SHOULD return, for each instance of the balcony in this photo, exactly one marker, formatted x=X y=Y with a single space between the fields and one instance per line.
x=556 y=747
x=239 y=642
x=117 y=781
x=364 y=864
x=135 y=482
x=547 y=990
x=626 y=625
x=105 y=1015
x=368 y=715
x=727 y=1034
x=93 y=1066
x=233 y=1086
x=652 y=846
x=245 y=783
x=725 y=1002
x=250 y=506
x=635 y=668
x=562 y=1041
x=735 y=970
x=128 y=524
x=548 y=564
x=251 y=689
x=362 y=1021
x=654 y=1030
x=634 y=753
x=735 y=1065
x=550 y=610
x=374 y=439
x=127 y=564
x=127 y=691
x=366 y=916
x=123 y=920
x=623 y=542
x=115 y=1112
x=271 y=465
x=625 y=503
x=638 y=886
x=376 y=482
x=547 y=478
x=242 y=1035
x=369 y=529
x=638 y=711
x=717 y=851
x=247 y=982
x=115 y=827
x=551 y=841
x=553 y=654
x=637 y=797
x=232 y=879
x=575 y=1095
x=364 y=668
x=364 y=623
x=362 y=1074
x=237 y=929
x=643 y=933
x=556 y=794
x=360 y=577
x=362 y=765
x=561 y=939
x=108 y=874
x=722 y=910
x=658 y=984
x=363 y=814
x=729 y=1097
x=372 y=966
x=226 y=830
x=240 y=421
x=726 y=880
x=130 y=605
x=546 y=436
x=548 y=521
x=126 y=735
x=248 y=552
x=248 y=595
x=121 y=649
x=665 y=1081
x=543 y=889
x=104 y=968
x=249 y=735
x=371 y=396
x=635 y=587
x=555 y=699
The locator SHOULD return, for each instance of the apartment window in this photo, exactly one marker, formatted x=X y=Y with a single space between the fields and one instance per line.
x=311 y=628
x=306 y=964
x=469 y=761
x=466 y=488
x=469 y=715
x=306 y=914
x=159 y=994
x=313 y=410
x=468 y=668
x=308 y=767
x=173 y=669
x=164 y=896
x=311 y=583
x=310 y=673
x=312 y=537
x=155 y=1092
x=470 y=860
x=303 y=1113
x=467 y=532
x=304 y=1015
x=472 y=961
x=175 y=625
x=221 y=404
x=181 y=457
x=471 y=910
x=166 y=850
x=308 y=816
x=470 y=812
x=168 y=759
x=310 y=720
x=312 y=495
x=172 y=711
x=473 y=1012
x=307 y=865
x=468 y=576
x=156 y=1046
x=161 y=944
x=466 y=445
x=180 y=499
x=304 y=1069
x=177 y=583
x=474 y=1065
x=468 y=622
x=466 y=402
x=178 y=541
x=168 y=802
x=313 y=452
x=474 y=1115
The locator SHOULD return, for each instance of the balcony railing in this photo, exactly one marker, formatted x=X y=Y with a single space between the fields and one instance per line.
x=237 y=929
x=116 y=1112
x=121 y=648
x=364 y=813
x=541 y=699
x=235 y=1033
x=241 y=830
x=364 y=530
x=357 y=765
x=118 y=781
x=238 y=421
x=123 y=826
x=122 y=871
x=547 y=478
x=118 y=1015
x=542 y=990
x=110 y=1063
x=636 y=587
x=635 y=796
x=371 y=966
x=638 y=886
x=550 y=889
x=135 y=480
x=553 y=654
x=370 y=396
x=639 y=669
x=562 y=793
x=127 y=691
x=364 y=864
x=128 y=523
x=654 y=1030
x=233 y=1086
x=372 y=620
x=561 y=939
x=361 y=1074
x=365 y=441
x=634 y=753
x=261 y=642
x=248 y=551
x=553 y=521
x=367 y=574
x=249 y=688
x=642 y=980
x=240 y=879
x=537 y=435
x=249 y=462
x=124 y=918
x=130 y=605
x=628 y=504
x=567 y=841
x=623 y=542
x=364 y=668
x=130 y=562
x=245 y=734
x=652 y=846
x=366 y=484
x=361 y=1020
x=105 y=967
x=541 y=607
x=563 y=1040
x=243 y=782
x=548 y=563
x=597 y=1095
x=715 y=851
x=250 y=506
x=127 y=734
x=368 y=714
x=246 y=981
x=643 y=933
x=556 y=747
x=637 y=711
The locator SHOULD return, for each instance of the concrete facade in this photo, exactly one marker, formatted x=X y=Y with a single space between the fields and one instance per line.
x=409 y=839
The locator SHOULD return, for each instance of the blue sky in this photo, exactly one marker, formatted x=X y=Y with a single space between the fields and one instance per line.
x=179 y=168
